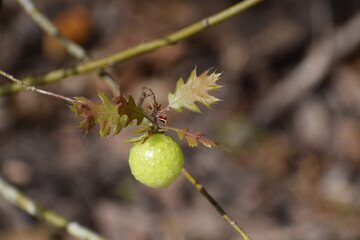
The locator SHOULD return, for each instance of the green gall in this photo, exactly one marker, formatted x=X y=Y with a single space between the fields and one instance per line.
x=157 y=162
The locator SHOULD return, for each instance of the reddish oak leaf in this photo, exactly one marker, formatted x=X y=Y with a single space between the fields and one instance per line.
x=130 y=109
x=107 y=113
x=193 y=137
x=196 y=89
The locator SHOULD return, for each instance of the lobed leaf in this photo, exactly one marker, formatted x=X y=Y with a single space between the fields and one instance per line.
x=196 y=89
x=107 y=113
x=130 y=109
x=141 y=138
x=145 y=127
x=193 y=137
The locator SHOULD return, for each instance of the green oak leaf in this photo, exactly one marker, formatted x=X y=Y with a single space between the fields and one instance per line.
x=118 y=113
x=196 y=89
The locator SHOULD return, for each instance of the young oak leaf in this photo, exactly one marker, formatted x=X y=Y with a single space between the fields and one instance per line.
x=145 y=127
x=196 y=89
x=193 y=137
x=106 y=113
x=130 y=109
x=141 y=138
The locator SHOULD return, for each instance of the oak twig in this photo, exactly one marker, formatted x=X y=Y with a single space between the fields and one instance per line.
x=34 y=89
x=22 y=201
x=93 y=65
x=212 y=201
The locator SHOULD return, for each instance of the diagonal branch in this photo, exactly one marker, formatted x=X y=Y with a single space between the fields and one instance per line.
x=71 y=47
x=212 y=201
x=90 y=66
x=19 y=199
x=34 y=89
x=44 y=23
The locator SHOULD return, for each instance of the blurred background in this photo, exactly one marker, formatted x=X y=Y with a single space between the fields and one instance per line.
x=290 y=116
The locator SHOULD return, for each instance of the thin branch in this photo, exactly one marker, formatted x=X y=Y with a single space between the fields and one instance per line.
x=19 y=199
x=212 y=201
x=44 y=23
x=34 y=89
x=71 y=47
x=90 y=66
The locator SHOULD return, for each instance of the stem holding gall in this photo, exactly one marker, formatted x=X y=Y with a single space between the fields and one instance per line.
x=216 y=205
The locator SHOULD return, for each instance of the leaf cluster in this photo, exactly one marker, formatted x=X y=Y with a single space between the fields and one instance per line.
x=120 y=112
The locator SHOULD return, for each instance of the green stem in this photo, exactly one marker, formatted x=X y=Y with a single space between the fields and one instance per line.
x=89 y=66
x=22 y=201
x=212 y=201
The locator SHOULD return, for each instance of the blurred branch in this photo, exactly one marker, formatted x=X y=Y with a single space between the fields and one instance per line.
x=44 y=23
x=19 y=199
x=90 y=66
x=34 y=89
x=310 y=72
x=212 y=201
x=71 y=47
